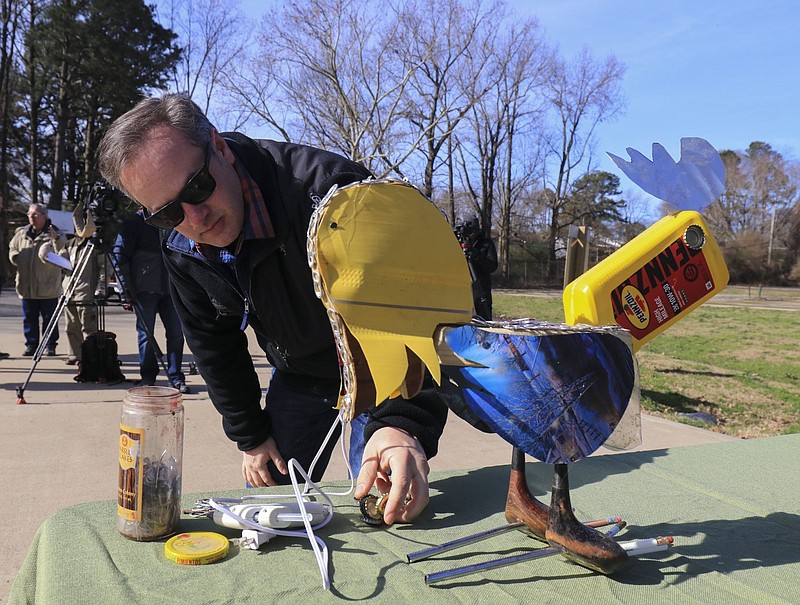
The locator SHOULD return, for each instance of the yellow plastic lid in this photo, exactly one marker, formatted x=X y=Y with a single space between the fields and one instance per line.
x=196 y=548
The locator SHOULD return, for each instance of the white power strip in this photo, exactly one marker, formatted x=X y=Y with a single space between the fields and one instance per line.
x=280 y=515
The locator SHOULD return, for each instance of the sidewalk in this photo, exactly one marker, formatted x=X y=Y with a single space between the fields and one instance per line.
x=60 y=448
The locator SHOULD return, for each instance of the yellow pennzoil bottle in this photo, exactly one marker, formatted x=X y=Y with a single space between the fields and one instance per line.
x=652 y=281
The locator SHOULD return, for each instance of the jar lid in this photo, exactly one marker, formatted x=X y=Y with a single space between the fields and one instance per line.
x=196 y=548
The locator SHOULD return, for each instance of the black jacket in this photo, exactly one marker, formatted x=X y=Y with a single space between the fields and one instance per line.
x=270 y=288
x=137 y=251
x=482 y=259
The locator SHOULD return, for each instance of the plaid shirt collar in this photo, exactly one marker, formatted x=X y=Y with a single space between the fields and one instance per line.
x=256 y=224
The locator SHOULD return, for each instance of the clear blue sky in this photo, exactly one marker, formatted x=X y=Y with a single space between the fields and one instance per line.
x=724 y=70
x=721 y=70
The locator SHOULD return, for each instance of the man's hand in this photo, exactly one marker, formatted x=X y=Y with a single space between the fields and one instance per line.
x=395 y=462
x=254 y=464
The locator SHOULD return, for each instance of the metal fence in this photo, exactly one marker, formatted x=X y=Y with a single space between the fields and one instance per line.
x=531 y=273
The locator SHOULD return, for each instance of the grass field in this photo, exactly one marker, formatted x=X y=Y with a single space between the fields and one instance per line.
x=735 y=359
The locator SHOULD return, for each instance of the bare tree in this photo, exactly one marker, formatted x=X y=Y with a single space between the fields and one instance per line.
x=391 y=85
x=213 y=36
x=500 y=151
x=328 y=73
x=754 y=217
x=523 y=150
x=446 y=41
x=64 y=54
x=637 y=214
x=758 y=184
x=582 y=93
x=35 y=85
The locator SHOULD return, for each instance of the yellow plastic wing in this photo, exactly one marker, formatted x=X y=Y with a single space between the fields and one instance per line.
x=388 y=266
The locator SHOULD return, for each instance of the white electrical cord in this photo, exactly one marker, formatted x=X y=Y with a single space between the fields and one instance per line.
x=339 y=420
x=317 y=544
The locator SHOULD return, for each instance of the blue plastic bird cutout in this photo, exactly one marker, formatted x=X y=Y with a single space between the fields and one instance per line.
x=556 y=395
x=690 y=184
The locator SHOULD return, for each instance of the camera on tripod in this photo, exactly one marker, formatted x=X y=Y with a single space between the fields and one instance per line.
x=102 y=201
x=98 y=206
x=466 y=231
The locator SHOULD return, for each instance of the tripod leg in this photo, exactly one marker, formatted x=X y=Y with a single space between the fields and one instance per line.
x=63 y=301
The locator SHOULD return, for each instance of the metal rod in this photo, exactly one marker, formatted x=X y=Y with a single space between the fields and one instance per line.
x=452 y=545
x=458 y=543
x=449 y=574
x=633 y=548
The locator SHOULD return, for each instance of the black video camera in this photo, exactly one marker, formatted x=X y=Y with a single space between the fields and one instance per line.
x=466 y=231
x=102 y=201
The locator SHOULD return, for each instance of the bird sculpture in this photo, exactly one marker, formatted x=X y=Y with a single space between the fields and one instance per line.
x=392 y=276
x=396 y=285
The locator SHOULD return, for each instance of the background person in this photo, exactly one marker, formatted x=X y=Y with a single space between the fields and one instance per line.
x=481 y=255
x=145 y=289
x=235 y=213
x=3 y=355
x=38 y=283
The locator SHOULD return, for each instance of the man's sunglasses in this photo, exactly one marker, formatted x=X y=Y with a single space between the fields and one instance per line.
x=196 y=191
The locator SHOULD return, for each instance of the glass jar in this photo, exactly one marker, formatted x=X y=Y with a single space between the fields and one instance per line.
x=150 y=457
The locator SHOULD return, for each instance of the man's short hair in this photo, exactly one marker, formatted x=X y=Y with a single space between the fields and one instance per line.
x=36 y=207
x=126 y=136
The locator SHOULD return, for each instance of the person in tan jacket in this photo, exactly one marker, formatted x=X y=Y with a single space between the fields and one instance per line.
x=38 y=283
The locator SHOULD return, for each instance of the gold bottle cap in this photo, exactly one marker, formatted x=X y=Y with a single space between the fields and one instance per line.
x=694 y=237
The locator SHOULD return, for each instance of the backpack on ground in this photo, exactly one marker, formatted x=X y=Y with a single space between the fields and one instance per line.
x=100 y=359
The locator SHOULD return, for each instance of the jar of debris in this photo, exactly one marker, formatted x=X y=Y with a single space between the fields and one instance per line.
x=150 y=457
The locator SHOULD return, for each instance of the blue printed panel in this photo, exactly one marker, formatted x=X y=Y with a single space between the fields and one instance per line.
x=557 y=397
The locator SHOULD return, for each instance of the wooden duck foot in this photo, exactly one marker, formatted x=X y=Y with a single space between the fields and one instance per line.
x=580 y=543
x=523 y=512
x=521 y=506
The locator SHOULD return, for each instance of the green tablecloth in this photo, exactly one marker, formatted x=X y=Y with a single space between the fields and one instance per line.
x=734 y=509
